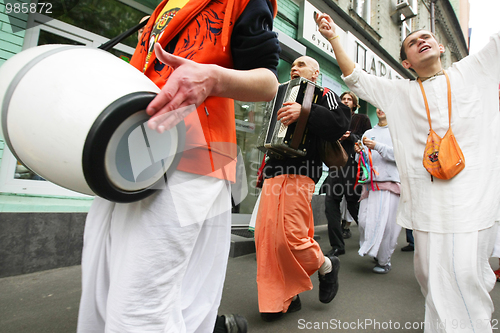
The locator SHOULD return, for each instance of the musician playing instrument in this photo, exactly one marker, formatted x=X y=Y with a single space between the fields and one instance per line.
x=287 y=254
x=159 y=264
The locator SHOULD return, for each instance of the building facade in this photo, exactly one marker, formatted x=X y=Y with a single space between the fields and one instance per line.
x=41 y=224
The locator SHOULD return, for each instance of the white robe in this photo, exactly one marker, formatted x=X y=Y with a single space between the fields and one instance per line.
x=378 y=230
x=469 y=201
x=455 y=277
x=157 y=265
x=453 y=220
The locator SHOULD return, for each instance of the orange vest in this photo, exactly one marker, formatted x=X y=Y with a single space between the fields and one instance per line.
x=203 y=28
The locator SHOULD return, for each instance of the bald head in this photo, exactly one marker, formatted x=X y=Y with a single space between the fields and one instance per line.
x=141 y=30
x=305 y=67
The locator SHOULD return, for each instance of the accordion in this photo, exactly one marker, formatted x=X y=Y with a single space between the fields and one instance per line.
x=288 y=141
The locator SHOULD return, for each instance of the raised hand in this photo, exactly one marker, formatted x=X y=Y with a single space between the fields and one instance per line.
x=345 y=136
x=326 y=26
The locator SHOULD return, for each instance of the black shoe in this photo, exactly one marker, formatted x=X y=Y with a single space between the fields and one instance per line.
x=346 y=233
x=335 y=252
x=235 y=323
x=329 y=283
x=295 y=305
x=272 y=316
x=408 y=248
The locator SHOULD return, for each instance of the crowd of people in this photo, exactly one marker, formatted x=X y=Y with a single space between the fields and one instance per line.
x=142 y=261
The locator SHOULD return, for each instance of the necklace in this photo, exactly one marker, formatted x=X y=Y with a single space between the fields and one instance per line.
x=428 y=77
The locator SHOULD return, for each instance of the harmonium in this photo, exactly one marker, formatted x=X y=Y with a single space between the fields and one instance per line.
x=279 y=140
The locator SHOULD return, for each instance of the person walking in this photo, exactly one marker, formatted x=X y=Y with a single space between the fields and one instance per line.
x=454 y=218
x=378 y=230
x=287 y=254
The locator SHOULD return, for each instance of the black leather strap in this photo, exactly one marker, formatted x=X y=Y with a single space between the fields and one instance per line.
x=112 y=42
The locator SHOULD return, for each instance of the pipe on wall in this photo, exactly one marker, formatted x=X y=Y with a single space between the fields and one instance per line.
x=433 y=16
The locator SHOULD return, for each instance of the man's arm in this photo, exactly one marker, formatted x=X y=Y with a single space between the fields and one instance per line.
x=386 y=151
x=255 y=50
x=329 y=118
x=375 y=90
x=191 y=83
x=327 y=29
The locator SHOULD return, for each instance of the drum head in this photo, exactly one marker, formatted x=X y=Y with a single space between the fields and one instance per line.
x=124 y=160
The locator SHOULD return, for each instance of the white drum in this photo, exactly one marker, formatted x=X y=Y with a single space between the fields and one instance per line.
x=75 y=116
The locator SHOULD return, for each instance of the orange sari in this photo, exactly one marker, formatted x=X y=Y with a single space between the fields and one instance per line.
x=287 y=254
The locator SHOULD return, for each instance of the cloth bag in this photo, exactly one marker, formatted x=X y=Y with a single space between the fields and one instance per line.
x=332 y=153
x=443 y=157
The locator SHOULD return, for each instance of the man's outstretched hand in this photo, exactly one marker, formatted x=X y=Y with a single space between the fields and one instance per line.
x=190 y=84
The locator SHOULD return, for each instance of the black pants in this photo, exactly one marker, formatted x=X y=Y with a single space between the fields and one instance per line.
x=409 y=237
x=340 y=182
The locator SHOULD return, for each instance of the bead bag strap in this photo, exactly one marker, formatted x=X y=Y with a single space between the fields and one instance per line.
x=427 y=104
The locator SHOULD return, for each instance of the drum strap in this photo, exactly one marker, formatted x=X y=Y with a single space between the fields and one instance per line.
x=304 y=116
x=112 y=42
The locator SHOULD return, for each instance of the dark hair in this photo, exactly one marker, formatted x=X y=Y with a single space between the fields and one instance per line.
x=402 y=51
x=354 y=99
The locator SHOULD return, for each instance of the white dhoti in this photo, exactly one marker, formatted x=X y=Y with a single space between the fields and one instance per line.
x=496 y=248
x=378 y=230
x=455 y=278
x=344 y=212
x=144 y=269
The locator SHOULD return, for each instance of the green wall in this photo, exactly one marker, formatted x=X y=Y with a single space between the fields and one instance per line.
x=11 y=42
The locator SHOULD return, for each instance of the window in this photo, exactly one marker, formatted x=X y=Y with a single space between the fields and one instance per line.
x=406 y=28
x=249 y=118
x=408 y=8
x=107 y=18
x=363 y=9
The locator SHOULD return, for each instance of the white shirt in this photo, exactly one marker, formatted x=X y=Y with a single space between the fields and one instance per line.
x=469 y=201
x=383 y=154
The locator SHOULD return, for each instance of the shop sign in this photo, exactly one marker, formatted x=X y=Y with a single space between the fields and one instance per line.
x=309 y=35
x=245 y=126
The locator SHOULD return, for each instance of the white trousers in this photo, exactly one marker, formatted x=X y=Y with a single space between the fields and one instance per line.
x=346 y=216
x=378 y=230
x=455 y=278
x=496 y=248
x=146 y=270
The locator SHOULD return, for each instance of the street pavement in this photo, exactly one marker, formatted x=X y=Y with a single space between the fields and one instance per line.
x=47 y=302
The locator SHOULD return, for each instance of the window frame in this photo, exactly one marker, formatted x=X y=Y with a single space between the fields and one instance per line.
x=363 y=11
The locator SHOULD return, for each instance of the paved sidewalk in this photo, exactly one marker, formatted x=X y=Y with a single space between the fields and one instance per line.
x=47 y=302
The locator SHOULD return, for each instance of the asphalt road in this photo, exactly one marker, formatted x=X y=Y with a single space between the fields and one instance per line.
x=47 y=302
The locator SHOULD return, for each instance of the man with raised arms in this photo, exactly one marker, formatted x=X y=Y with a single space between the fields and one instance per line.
x=454 y=220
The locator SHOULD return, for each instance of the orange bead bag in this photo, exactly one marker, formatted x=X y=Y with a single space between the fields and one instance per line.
x=443 y=157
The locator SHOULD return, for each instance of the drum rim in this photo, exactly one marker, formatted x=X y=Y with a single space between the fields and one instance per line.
x=94 y=150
